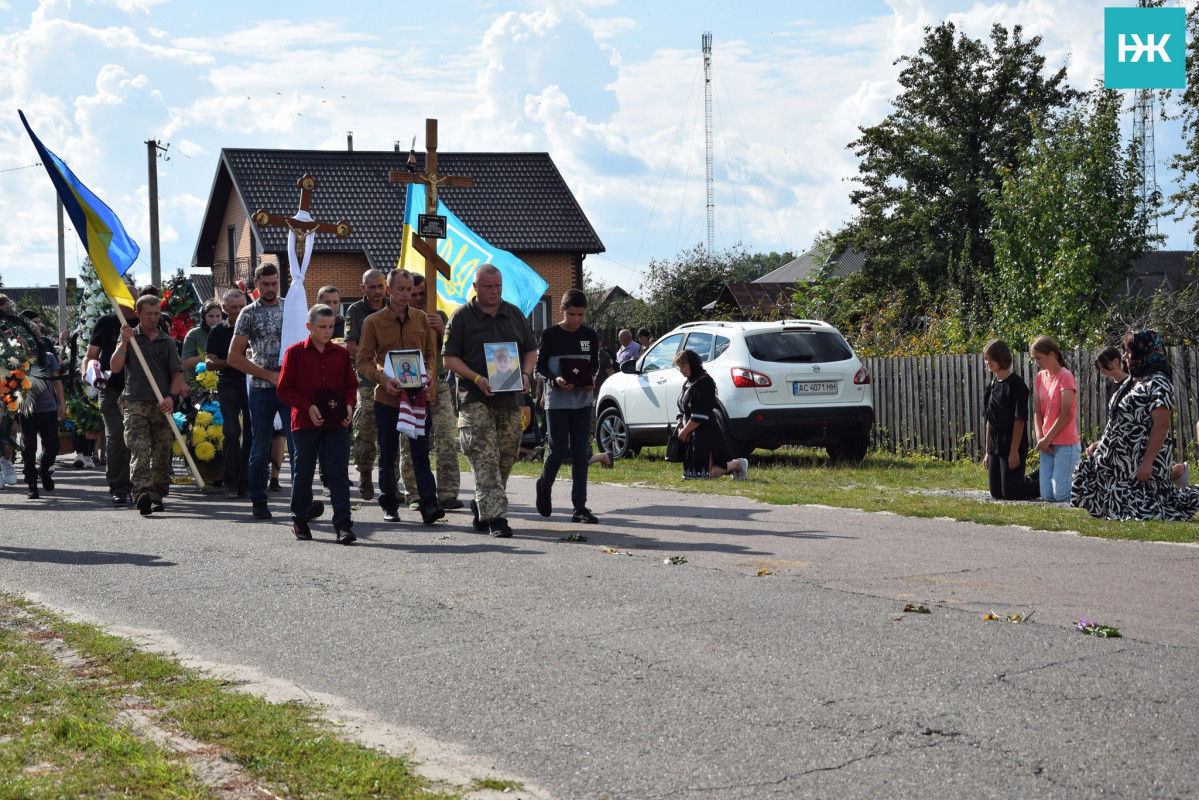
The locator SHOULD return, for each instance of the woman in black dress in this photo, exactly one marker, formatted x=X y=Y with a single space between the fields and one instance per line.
x=707 y=453
x=1005 y=406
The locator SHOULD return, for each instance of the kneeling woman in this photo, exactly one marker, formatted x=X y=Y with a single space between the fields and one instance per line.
x=1128 y=476
x=707 y=453
x=1005 y=406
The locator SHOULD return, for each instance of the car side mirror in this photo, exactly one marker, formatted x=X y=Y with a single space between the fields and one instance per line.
x=629 y=367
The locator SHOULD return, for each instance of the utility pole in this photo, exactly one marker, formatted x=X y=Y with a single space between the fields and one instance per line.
x=152 y=148
x=706 y=41
x=62 y=271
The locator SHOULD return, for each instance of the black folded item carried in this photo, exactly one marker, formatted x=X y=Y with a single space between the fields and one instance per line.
x=576 y=371
x=332 y=405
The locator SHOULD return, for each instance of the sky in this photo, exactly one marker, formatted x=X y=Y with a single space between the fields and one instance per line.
x=612 y=90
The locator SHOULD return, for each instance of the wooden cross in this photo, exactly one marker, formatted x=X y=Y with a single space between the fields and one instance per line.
x=262 y=218
x=428 y=249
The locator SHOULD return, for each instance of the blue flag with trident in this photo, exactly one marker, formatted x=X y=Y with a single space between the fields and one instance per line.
x=464 y=250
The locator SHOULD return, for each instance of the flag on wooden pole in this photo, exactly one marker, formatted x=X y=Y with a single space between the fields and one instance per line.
x=110 y=249
x=464 y=250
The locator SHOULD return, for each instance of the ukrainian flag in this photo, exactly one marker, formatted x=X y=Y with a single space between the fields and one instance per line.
x=464 y=250
x=110 y=249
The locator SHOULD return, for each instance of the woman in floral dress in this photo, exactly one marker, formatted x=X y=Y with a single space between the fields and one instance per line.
x=1128 y=476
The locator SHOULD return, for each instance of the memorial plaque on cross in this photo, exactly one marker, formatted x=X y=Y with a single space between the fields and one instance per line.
x=428 y=249
x=300 y=227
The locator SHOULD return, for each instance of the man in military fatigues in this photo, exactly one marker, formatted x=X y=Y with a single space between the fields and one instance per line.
x=489 y=423
x=147 y=431
x=442 y=424
x=366 y=435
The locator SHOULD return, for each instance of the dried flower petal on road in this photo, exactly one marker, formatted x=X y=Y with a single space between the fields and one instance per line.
x=764 y=572
x=990 y=618
x=913 y=608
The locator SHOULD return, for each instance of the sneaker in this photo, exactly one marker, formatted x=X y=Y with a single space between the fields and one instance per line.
x=479 y=524
x=584 y=515
x=33 y=493
x=344 y=534
x=145 y=505
x=7 y=474
x=315 y=509
x=366 y=489
x=300 y=528
x=391 y=509
x=78 y=462
x=261 y=511
x=274 y=485
x=414 y=505
x=47 y=480
x=544 y=505
x=432 y=515
x=499 y=528
x=120 y=499
x=88 y=463
x=158 y=507
x=453 y=504
x=743 y=473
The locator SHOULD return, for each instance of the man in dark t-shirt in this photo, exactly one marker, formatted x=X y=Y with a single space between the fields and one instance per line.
x=106 y=335
x=233 y=398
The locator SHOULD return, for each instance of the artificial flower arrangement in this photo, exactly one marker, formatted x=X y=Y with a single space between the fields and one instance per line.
x=21 y=377
x=179 y=300
x=202 y=426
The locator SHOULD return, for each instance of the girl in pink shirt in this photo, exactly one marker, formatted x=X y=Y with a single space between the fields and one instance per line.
x=1056 y=420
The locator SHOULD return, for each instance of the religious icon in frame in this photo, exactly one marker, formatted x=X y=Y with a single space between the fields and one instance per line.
x=408 y=367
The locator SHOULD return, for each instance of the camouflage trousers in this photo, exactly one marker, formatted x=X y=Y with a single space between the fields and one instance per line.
x=491 y=441
x=442 y=444
x=148 y=437
x=366 y=436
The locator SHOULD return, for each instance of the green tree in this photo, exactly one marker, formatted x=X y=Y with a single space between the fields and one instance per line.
x=677 y=290
x=751 y=266
x=966 y=109
x=610 y=316
x=1067 y=227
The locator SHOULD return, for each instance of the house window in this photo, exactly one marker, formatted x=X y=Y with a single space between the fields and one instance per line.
x=541 y=315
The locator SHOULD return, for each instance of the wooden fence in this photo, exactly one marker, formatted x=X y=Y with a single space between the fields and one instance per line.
x=933 y=404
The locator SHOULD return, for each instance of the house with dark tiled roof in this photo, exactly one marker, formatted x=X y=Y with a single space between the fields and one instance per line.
x=42 y=297
x=519 y=203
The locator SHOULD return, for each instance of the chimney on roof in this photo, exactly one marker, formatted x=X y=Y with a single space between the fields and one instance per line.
x=396 y=145
x=350 y=141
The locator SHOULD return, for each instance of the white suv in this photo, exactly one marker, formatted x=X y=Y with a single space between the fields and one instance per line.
x=792 y=382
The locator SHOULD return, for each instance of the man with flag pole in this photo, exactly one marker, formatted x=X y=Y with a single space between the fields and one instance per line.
x=109 y=248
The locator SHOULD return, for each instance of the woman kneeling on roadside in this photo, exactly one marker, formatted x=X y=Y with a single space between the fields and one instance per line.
x=1129 y=473
x=707 y=453
x=1056 y=418
x=1005 y=406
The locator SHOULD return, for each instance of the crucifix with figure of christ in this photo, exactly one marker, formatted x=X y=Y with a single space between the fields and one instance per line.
x=302 y=227
x=433 y=262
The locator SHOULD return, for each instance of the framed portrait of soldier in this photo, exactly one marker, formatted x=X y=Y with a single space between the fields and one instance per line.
x=503 y=366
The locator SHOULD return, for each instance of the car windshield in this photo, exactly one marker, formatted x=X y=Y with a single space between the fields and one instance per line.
x=789 y=346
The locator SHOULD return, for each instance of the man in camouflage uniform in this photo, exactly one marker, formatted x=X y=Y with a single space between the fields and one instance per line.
x=147 y=431
x=441 y=426
x=489 y=423
x=366 y=435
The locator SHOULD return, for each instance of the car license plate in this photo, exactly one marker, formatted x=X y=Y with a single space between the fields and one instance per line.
x=814 y=387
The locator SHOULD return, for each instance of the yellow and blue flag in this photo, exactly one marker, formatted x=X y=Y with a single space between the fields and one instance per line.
x=464 y=250
x=110 y=249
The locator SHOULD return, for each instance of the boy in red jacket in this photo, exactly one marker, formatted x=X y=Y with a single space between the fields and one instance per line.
x=317 y=380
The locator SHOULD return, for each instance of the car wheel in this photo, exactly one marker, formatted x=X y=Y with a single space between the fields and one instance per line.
x=739 y=447
x=613 y=435
x=849 y=451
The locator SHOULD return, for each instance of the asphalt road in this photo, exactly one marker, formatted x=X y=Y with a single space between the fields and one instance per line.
x=595 y=674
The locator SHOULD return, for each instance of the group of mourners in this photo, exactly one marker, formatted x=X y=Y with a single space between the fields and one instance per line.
x=336 y=397
x=1128 y=474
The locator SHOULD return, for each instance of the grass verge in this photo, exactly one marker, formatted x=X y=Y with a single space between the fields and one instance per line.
x=62 y=733
x=904 y=485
